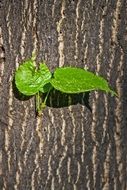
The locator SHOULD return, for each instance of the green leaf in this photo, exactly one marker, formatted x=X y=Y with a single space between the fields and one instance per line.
x=47 y=87
x=46 y=76
x=28 y=80
x=77 y=80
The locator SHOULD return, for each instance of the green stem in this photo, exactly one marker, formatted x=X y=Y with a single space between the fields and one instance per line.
x=46 y=97
x=40 y=106
x=44 y=103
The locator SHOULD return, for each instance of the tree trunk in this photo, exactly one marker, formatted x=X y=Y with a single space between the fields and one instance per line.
x=68 y=147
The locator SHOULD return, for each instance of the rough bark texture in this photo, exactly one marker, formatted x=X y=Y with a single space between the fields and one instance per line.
x=67 y=148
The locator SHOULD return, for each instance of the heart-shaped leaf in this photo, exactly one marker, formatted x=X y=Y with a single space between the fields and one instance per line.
x=29 y=81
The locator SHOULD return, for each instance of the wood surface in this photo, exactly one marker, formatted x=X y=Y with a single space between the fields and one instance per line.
x=68 y=147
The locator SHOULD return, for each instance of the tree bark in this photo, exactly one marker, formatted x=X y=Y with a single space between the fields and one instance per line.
x=68 y=147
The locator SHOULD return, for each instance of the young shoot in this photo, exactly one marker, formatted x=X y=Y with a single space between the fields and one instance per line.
x=32 y=81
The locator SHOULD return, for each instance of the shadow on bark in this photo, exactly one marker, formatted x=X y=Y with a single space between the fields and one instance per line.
x=57 y=99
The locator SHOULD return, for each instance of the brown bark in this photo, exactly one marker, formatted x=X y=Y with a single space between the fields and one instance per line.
x=68 y=147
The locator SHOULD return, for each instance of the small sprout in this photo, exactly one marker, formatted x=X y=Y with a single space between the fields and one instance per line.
x=32 y=81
